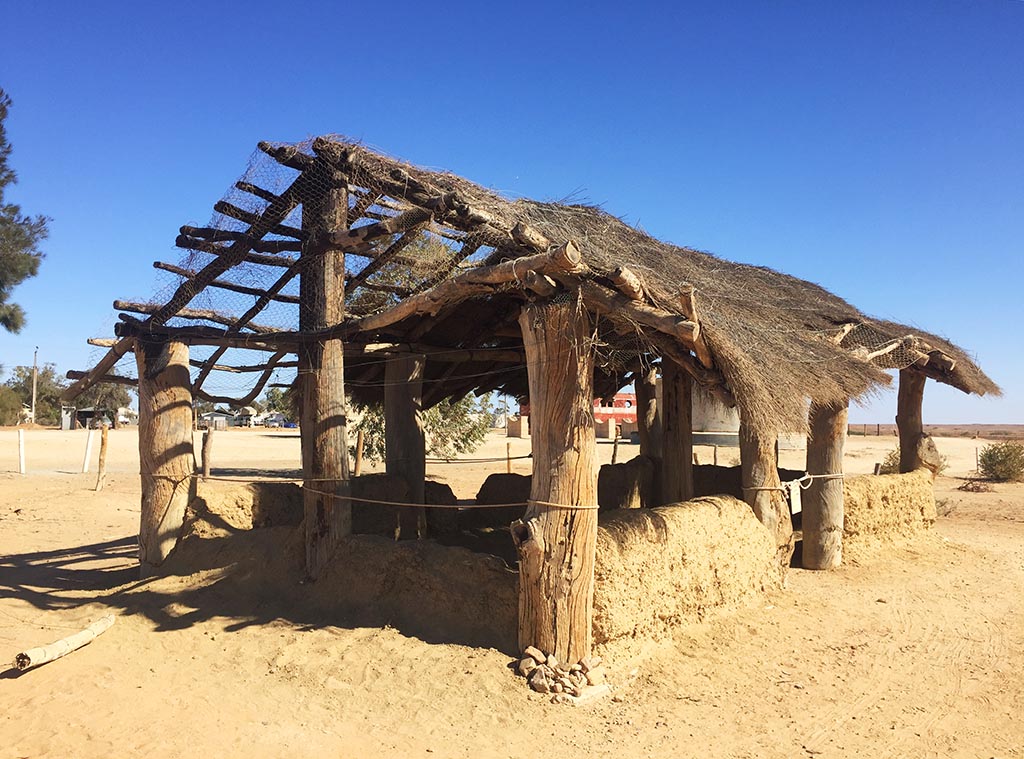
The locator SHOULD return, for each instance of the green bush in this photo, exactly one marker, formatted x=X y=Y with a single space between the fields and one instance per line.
x=1002 y=461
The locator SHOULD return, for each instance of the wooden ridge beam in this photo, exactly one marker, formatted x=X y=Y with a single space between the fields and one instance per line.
x=213 y=235
x=204 y=335
x=224 y=285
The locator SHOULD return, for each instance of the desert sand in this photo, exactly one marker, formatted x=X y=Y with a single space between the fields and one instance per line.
x=918 y=652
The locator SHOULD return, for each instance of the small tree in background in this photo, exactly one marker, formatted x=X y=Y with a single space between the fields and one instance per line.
x=49 y=387
x=1003 y=462
x=20 y=236
x=451 y=427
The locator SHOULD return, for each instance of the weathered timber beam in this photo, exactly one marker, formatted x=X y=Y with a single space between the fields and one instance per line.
x=564 y=259
x=287 y=155
x=224 y=285
x=191 y=237
x=843 y=331
x=274 y=214
x=530 y=237
x=101 y=368
x=613 y=305
x=688 y=305
x=205 y=335
x=710 y=379
x=242 y=369
x=627 y=283
x=191 y=313
x=389 y=226
x=361 y=206
x=386 y=257
x=102 y=342
x=246 y=399
x=250 y=218
x=258 y=191
x=106 y=379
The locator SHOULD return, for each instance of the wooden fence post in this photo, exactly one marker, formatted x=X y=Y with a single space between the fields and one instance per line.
x=21 y=451
x=557 y=536
x=101 y=469
x=207 y=452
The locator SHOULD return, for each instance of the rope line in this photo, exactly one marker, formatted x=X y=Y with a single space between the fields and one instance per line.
x=804 y=482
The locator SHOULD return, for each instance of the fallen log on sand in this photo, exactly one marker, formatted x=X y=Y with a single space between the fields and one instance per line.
x=36 y=656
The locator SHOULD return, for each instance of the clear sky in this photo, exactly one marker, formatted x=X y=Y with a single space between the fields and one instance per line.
x=876 y=148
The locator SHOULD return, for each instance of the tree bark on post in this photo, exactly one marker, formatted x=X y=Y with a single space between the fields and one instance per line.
x=648 y=419
x=404 y=440
x=759 y=475
x=166 y=458
x=557 y=536
x=909 y=418
x=822 y=502
x=677 y=434
x=325 y=470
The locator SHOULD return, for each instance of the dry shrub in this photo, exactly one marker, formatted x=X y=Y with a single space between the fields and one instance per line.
x=975 y=486
x=891 y=464
x=1003 y=462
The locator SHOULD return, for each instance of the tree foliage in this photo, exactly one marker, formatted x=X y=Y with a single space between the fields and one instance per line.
x=49 y=386
x=20 y=236
x=105 y=397
x=451 y=427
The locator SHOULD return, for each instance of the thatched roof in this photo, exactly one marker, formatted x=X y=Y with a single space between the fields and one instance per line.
x=765 y=339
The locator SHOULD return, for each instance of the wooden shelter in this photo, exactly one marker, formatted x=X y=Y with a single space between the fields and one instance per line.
x=354 y=271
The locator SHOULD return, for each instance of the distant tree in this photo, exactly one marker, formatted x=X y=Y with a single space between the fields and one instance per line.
x=275 y=400
x=49 y=386
x=107 y=398
x=20 y=236
x=10 y=406
x=451 y=427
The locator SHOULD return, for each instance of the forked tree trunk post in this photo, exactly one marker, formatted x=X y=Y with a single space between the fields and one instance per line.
x=648 y=419
x=677 y=434
x=404 y=439
x=166 y=458
x=325 y=471
x=759 y=475
x=557 y=536
x=822 y=502
x=909 y=422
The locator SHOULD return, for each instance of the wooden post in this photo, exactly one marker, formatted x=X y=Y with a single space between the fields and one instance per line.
x=404 y=440
x=557 y=536
x=101 y=469
x=325 y=473
x=21 y=451
x=909 y=419
x=648 y=417
x=166 y=457
x=677 y=434
x=823 y=500
x=206 y=453
x=88 y=450
x=508 y=458
x=358 y=467
x=759 y=476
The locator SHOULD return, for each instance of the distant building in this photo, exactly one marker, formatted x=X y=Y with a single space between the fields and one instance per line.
x=622 y=409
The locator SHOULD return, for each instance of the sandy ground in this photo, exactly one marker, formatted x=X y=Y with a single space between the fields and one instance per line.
x=919 y=653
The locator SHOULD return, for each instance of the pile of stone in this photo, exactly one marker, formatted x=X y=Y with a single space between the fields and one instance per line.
x=567 y=683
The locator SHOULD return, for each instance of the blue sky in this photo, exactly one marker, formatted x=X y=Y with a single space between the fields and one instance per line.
x=872 y=147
